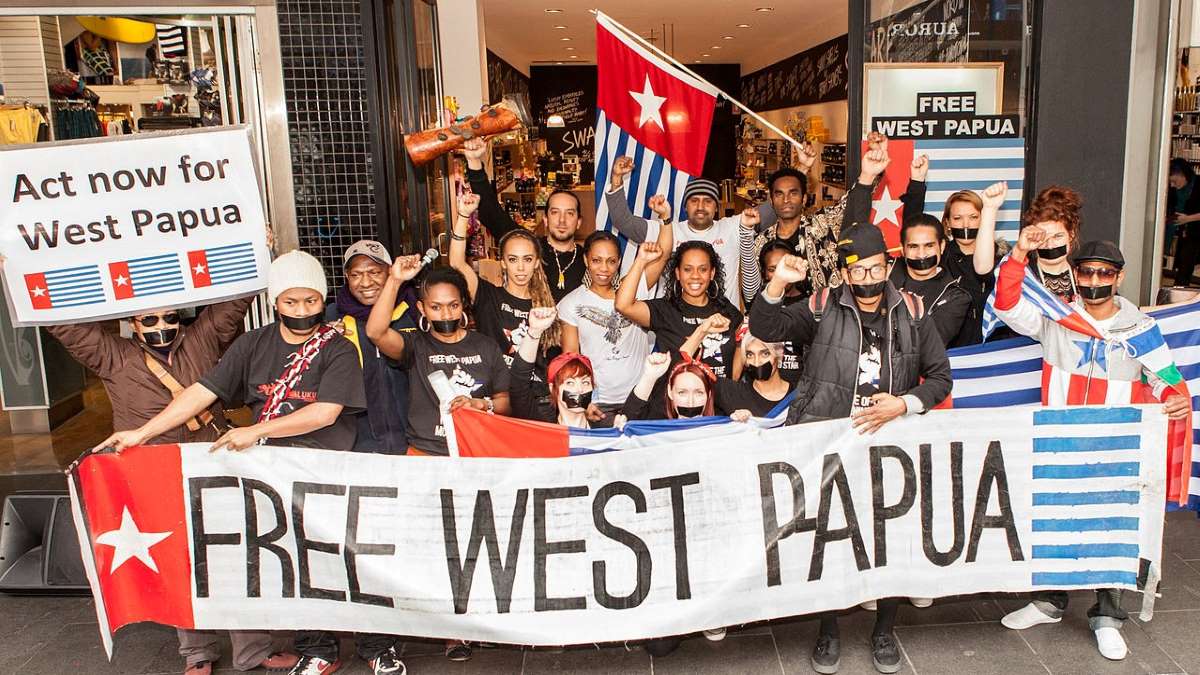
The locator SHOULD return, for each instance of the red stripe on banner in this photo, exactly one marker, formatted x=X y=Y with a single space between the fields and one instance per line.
x=39 y=290
x=137 y=521
x=1080 y=325
x=887 y=211
x=1076 y=390
x=122 y=283
x=198 y=268
x=482 y=435
x=1097 y=391
x=1047 y=370
x=659 y=110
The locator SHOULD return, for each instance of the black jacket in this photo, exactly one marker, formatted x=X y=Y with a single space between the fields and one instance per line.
x=826 y=391
x=946 y=303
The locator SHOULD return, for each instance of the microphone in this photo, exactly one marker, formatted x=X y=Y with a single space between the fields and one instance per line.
x=430 y=255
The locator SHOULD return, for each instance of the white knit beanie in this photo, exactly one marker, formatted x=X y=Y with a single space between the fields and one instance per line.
x=295 y=269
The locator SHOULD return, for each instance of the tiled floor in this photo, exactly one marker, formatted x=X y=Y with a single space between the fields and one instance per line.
x=48 y=636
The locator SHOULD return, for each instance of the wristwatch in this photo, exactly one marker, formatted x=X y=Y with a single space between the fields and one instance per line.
x=491 y=405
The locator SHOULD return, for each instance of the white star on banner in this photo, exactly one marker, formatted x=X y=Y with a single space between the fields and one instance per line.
x=651 y=105
x=121 y=280
x=129 y=542
x=198 y=269
x=38 y=291
x=886 y=207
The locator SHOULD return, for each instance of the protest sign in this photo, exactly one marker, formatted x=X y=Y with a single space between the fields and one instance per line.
x=116 y=226
x=624 y=545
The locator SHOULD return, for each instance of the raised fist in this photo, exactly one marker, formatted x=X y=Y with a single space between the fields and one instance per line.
x=1030 y=239
x=657 y=364
x=874 y=163
x=791 y=269
x=622 y=166
x=751 y=218
x=658 y=204
x=540 y=319
x=806 y=156
x=877 y=141
x=715 y=324
x=649 y=252
x=467 y=203
x=475 y=151
x=994 y=195
x=406 y=267
x=920 y=168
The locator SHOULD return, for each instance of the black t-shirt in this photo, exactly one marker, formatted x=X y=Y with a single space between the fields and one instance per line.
x=673 y=325
x=570 y=263
x=791 y=366
x=254 y=361
x=733 y=396
x=473 y=366
x=872 y=359
x=504 y=318
x=978 y=286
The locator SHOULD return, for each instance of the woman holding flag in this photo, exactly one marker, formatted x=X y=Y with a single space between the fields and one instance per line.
x=1102 y=350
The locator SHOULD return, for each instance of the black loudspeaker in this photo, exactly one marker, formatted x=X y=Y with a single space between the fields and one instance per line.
x=39 y=550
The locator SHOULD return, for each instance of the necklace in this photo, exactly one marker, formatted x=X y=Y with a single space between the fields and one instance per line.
x=562 y=280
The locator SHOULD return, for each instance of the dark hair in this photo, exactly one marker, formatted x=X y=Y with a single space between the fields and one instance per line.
x=434 y=276
x=675 y=291
x=788 y=172
x=1182 y=167
x=599 y=236
x=578 y=204
x=773 y=245
x=923 y=220
x=1056 y=203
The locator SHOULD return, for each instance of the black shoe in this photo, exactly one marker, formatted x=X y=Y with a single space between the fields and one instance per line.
x=662 y=646
x=827 y=654
x=885 y=653
x=459 y=652
x=387 y=663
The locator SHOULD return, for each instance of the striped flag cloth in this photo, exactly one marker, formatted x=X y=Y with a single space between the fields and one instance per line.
x=1047 y=303
x=1086 y=507
x=149 y=275
x=652 y=111
x=954 y=164
x=222 y=264
x=1009 y=372
x=65 y=287
x=171 y=41
x=482 y=435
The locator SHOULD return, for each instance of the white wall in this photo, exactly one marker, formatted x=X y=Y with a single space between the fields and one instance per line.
x=463 y=54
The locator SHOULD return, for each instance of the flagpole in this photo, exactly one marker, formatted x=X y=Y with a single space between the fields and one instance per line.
x=689 y=71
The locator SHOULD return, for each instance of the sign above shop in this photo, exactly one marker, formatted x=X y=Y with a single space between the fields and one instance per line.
x=815 y=75
x=947 y=115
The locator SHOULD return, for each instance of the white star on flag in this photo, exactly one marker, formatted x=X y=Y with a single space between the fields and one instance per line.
x=121 y=280
x=39 y=291
x=651 y=105
x=129 y=542
x=886 y=208
x=198 y=269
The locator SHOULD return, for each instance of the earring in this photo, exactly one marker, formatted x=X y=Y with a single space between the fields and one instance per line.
x=712 y=290
x=462 y=320
x=587 y=279
x=423 y=323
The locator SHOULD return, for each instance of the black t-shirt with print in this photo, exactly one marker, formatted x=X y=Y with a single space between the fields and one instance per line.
x=474 y=367
x=254 y=361
x=673 y=325
x=873 y=364
x=504 y=318
x=733 y=396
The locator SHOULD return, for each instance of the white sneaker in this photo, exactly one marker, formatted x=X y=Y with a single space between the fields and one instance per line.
x=869 y=605
x=1027 y=617
x=1110 y=643
x=921 y=603
x=714 y=635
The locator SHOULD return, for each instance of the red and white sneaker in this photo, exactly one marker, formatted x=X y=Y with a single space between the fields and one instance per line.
x=311 y=665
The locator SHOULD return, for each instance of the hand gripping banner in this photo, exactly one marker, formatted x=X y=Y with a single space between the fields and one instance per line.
x=624 y=545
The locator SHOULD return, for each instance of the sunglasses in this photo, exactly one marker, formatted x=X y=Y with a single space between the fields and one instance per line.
x=170 y=318
x=876 y=272
x=1105 y=273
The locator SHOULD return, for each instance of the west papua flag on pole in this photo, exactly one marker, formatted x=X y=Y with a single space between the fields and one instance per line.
x=652 y=111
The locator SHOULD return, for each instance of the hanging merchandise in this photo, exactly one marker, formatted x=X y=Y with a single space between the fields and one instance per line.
x=116 y=29
x=171 y=41
x=74 y=119
x=64 y=84
x=95 y=54
x=210 y=108
x=172 y=71
x=20 y=124
x=202 y=79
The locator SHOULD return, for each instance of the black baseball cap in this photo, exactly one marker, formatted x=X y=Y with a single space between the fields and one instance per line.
x=1099 y=250
x=859 y=241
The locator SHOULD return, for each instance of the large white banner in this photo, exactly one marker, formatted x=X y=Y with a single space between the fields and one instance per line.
x=625 y=545
x=114 y=226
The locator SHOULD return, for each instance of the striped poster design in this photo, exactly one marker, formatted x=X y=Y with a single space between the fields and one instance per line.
x=1086 y=497
x=652 y=175
x=974 y=164
x=222 y=264
x=65 y=287
x=148 y=275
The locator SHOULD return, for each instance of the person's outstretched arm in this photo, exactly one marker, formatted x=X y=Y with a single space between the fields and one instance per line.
x=984 y=257
x=379 y=325
x=491 y=213
x=467 y=203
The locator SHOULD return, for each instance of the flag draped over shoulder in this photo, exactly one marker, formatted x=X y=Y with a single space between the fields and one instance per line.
x=652 y=111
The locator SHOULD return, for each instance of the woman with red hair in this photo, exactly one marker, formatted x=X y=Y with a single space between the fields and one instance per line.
x=570 y=377
x=1055 y=211
x=690 y=390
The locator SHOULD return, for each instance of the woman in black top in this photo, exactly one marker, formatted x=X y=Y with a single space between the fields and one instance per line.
x=763 y=386
x=569 y=375
x=694 y=317
x=1184 y=201
x=689 y=391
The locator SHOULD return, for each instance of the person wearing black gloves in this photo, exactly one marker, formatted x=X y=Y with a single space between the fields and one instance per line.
x=562 y=258
x=871 y=358
x=923 y=240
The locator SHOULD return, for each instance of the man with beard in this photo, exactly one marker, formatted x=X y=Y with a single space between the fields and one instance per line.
x=562 y=257
x=303 y=384
x=919 y=271
x=141 y=376
x=367 y=265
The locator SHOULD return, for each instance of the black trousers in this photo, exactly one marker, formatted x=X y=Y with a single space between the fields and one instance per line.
x=324 y=645
x=885 y=618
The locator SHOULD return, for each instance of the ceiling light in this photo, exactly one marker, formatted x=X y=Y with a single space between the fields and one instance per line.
x=696 y=61
x=560 y=27
x=726 y=37
x=764 y=9
x=574 y=57
x=716 y=46
x=704 y=55
x=743 y=25
x=558 y=63
x=570 y=49
x=564 y=39
x=559 y=11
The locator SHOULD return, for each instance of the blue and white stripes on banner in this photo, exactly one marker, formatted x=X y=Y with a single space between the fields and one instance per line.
x=652 y=175
x=1086 y=477
x=234 y=262
x=1009 y=372
x=75 y=286
x=156 y=274
x=1033 y=291
x=974 y=164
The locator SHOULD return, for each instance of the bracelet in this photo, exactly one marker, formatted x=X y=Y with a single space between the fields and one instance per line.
x=457 y=237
